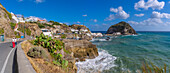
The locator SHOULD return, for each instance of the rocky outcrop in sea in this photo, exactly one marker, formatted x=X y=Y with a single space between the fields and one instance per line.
x=82 y=49
x=122 y=28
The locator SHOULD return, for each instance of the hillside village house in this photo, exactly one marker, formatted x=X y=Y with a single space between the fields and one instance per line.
x=74 y=31
x=14 y=18
x=84 y=29
x=20 y=18
x=31 y=19
x=17 y=18
x=46 y=32
x=42 y=21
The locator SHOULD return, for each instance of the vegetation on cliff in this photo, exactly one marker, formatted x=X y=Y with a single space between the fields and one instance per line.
x=9 y=14
x=27 y=30
x=13 y=25
x=5 y=22
x=53 y=46
x=41 y=25
x=1 y=30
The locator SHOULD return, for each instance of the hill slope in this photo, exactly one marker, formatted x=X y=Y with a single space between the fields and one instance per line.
x=5 y=17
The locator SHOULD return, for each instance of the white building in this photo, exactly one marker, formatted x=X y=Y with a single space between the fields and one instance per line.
x=46 y=32
x=42 y=21
x=32 y=19
x=74 y=30
x=97 y=34
x=14 y=18
x=20 y=18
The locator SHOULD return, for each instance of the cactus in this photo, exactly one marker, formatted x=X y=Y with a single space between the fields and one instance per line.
x=53 y=46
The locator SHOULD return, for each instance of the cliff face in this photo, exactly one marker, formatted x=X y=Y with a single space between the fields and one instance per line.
x=82 y=49
x=35 y=30
x=5 y=22
x=122 y=27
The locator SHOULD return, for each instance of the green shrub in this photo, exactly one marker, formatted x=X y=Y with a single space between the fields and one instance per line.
x=13 y=25
x=60 y=62
x=27 y=30
x=10 y=16
x=41 y=25
x=49 y=25
x=35 y=52
x=63 y=36
x=5 y=16
x=15 y=33
x=18 y=36
x=55 y=23
x=1 y=30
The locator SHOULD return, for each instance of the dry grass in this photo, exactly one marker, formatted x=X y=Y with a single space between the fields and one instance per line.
x=151 y=68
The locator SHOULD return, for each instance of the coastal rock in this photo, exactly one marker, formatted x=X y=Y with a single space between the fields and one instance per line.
x=5 y=22
x=82 y=49
x=44 y=64
x=121 y=28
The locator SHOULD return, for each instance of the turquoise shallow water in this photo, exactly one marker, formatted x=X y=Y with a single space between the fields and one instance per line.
x=132 y=51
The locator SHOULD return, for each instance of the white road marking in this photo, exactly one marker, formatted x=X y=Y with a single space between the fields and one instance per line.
x=4 y=66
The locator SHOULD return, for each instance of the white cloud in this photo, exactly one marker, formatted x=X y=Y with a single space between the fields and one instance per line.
x=150 y=21
x=139 y=15
x=95 y=20
x=154 y=4
x=114 y=10
x=39 y=1
x=104 y=24
x=120 y=14
x=155 y=19
x=78 y=22
x=160 y=15
x=84 y=15
x=169 y=2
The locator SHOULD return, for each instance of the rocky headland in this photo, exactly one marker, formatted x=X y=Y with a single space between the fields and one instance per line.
x=121 y=28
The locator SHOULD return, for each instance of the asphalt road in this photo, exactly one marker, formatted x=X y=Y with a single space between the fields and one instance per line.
x=7 y=58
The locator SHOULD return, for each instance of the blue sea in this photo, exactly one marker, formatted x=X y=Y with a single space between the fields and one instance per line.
x=128 y=53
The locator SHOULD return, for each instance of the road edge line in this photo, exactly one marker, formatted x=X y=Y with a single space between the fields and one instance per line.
x=5 y=63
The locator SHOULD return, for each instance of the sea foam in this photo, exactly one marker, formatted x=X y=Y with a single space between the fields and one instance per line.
x=99 y=39
x=104 y=61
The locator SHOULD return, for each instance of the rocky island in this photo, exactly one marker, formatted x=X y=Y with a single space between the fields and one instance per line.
x=122 y=28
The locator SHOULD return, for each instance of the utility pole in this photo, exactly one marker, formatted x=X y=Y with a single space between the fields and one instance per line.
x=24 y=25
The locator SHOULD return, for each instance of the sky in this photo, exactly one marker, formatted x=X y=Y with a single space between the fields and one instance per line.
x=97 y=15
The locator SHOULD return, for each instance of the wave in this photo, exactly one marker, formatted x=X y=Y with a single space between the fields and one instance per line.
x=97 y=39
x=104 y=61
x=132 y=35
